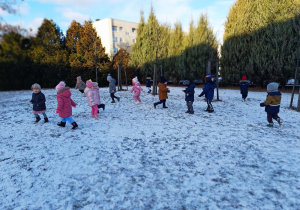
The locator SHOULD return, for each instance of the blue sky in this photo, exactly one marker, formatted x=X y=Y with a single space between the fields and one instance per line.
x=63 y=12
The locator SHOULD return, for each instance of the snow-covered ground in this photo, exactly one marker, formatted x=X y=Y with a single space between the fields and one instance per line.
x=138 y=157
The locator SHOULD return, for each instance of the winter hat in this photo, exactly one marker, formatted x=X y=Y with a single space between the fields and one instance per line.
x=35 y=86
x=135 y=80
x=89 y=84
x=60 y=85
x=109 y=78
x=207 y=75
x=163 y=80
x=273 y=87
x=244 y=78
x=95 y=84
x=79 y=77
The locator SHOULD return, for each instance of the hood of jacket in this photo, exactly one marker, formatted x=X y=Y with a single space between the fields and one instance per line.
x=65 y=92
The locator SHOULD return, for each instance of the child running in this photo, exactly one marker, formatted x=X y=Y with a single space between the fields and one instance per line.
x=93 y=98
x=272 y=104
x=137 y=90
x=64 y=105
x=39 y=103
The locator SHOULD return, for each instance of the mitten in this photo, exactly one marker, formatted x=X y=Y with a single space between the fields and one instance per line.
x=262 y=104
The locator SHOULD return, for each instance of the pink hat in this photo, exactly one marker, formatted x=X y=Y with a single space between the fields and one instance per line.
x=89 y=84
x=60 y=86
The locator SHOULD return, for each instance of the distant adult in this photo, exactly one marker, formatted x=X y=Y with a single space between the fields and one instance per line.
x=80 y=85
x=244 y=85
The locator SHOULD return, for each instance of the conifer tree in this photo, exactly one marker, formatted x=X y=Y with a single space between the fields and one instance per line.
x=261 y=41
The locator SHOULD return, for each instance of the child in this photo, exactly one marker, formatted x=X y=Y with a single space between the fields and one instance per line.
x=272 y=104
x=96 y=87
x=137 y=90
x=64 y=105
x=93 y=98
x=148 y=83
x=244 y=84
x=209 y=92
x=189 y=96
x=162 y=92
x=39 y=103
x=112 y=88
x=80 y=85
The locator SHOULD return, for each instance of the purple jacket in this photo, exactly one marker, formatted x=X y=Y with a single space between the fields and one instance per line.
x=92 y=96
x=64 y=103
x=137 y=89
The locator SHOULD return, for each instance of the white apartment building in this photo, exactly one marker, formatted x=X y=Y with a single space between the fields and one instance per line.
x=116 y=34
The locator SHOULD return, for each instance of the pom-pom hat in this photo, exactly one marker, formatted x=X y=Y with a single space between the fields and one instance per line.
x=60 y=86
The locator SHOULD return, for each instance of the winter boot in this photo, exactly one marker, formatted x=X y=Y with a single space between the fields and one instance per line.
x=149 y=91
x=37 y=119
x=113 y=101
x=210 y=111
x=191 y=112
x=280 y=121
x=155 y=104
x=62 y=124
x=102 y=106
x=188 y=111
x=75 y=126
x=165 y=107
x=271 y=125
x=96 y=117
x=46 y=120
x=118 y=98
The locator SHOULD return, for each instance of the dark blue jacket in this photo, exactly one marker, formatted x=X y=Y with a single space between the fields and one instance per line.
x=39 y=101
x=191 y=91
x=244 y=84
x=148 y=81
x=209 y=90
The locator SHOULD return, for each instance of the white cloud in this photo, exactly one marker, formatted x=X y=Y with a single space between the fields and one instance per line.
x=3 y=13
x=34 y=25
x=71 y=15
x=24 y=8
x=75 y=3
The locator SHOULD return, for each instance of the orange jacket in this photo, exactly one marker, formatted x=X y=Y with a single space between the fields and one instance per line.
x=162 y=91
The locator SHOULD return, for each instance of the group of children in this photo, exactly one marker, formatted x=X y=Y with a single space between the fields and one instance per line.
x=91 y=91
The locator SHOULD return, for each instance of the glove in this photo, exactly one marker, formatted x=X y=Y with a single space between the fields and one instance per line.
x=262 y=104
x=199 y=95
x=57 y=111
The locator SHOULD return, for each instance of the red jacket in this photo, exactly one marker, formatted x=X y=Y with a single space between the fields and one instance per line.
x=64 y=103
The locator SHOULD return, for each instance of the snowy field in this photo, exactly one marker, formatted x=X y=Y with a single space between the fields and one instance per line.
x=138 y=157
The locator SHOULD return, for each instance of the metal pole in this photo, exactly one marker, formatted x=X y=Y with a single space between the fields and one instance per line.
x=217 y=77
x=298 y=106
x=118 y=76
x=296 y=73
x=154 y=81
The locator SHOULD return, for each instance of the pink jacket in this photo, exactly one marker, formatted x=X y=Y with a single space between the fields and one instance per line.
x=64 y=102
x=92 y=96
x=137 y=89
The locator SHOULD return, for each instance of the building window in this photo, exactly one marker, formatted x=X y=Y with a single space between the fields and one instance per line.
x=120 y=28
x=121 y=40
x=127 y=33
x=115 y=39
x=133 y=30
x=133 y=40
x=115 y=50
x=127 y=44
x=114 y=28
